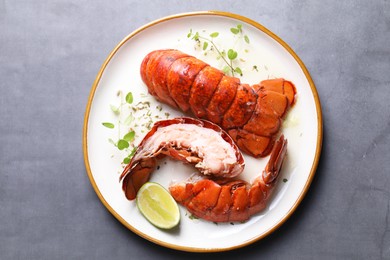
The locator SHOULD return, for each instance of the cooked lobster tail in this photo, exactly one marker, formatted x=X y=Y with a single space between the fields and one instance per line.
x=251 y=115
x=194 y=141
x=227 y=200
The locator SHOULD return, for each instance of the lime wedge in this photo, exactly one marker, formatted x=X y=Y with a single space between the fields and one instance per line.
x=158 y=206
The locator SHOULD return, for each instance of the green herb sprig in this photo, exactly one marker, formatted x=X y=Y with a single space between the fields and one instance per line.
x=230 y=57
x=132 y=117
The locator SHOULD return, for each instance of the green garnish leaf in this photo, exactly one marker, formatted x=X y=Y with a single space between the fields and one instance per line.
x=226 y=70
x=205 y=44
x=246 y=38
x=126 y=160
x=129 y=137
x=115 y=109
x=133 y=152
x=122 y=144
x=108 y=125
x=214 y=34
x=196 y=36
x=285 y=180
x=129 y=119
x=129 y=98
x=238 y=70
x=232 y=54
x=234 y=30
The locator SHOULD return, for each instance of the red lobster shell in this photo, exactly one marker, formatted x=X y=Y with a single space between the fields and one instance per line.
x=198 y=142
x=252 y=115
x=230 y=200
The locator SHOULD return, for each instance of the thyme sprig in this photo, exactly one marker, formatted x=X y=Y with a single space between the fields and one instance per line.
x=230 y=57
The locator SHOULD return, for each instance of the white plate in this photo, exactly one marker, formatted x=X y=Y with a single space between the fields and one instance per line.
x=273 y=58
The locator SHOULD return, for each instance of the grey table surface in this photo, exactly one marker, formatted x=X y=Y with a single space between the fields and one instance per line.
x=50 y=54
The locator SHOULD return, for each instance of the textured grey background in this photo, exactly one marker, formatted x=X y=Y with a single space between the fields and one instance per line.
x=50 y=54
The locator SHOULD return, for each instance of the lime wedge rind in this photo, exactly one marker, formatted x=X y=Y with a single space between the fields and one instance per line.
x=158 y=206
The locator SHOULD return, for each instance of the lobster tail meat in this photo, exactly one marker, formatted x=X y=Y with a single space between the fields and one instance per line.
x=252 y=115
x=198 y=142
x=227 y=200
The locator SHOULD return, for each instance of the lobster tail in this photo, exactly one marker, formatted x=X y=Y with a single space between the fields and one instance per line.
x=184 y=139
x=252 y=115
x=224 y=200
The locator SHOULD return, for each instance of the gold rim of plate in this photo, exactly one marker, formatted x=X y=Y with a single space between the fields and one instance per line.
x=319 y=126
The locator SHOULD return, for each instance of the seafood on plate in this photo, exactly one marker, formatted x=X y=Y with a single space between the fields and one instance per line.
x=229 y=200
x=198 y=142
x=251 y=114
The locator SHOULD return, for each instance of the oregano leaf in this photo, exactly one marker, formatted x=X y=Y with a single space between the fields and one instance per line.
x=246 y=38
x=205 y=44
x=214 y=34
x=232 y=54
x=129 y=137
x=238 y=70
x=129 y=98
x=234 y=30
x=196 y=36
x=126 y=160
x=129 y=119
x=108 y=125
x=133 y=151
x=226 y=70
x=115 y=109
x=122 y=144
